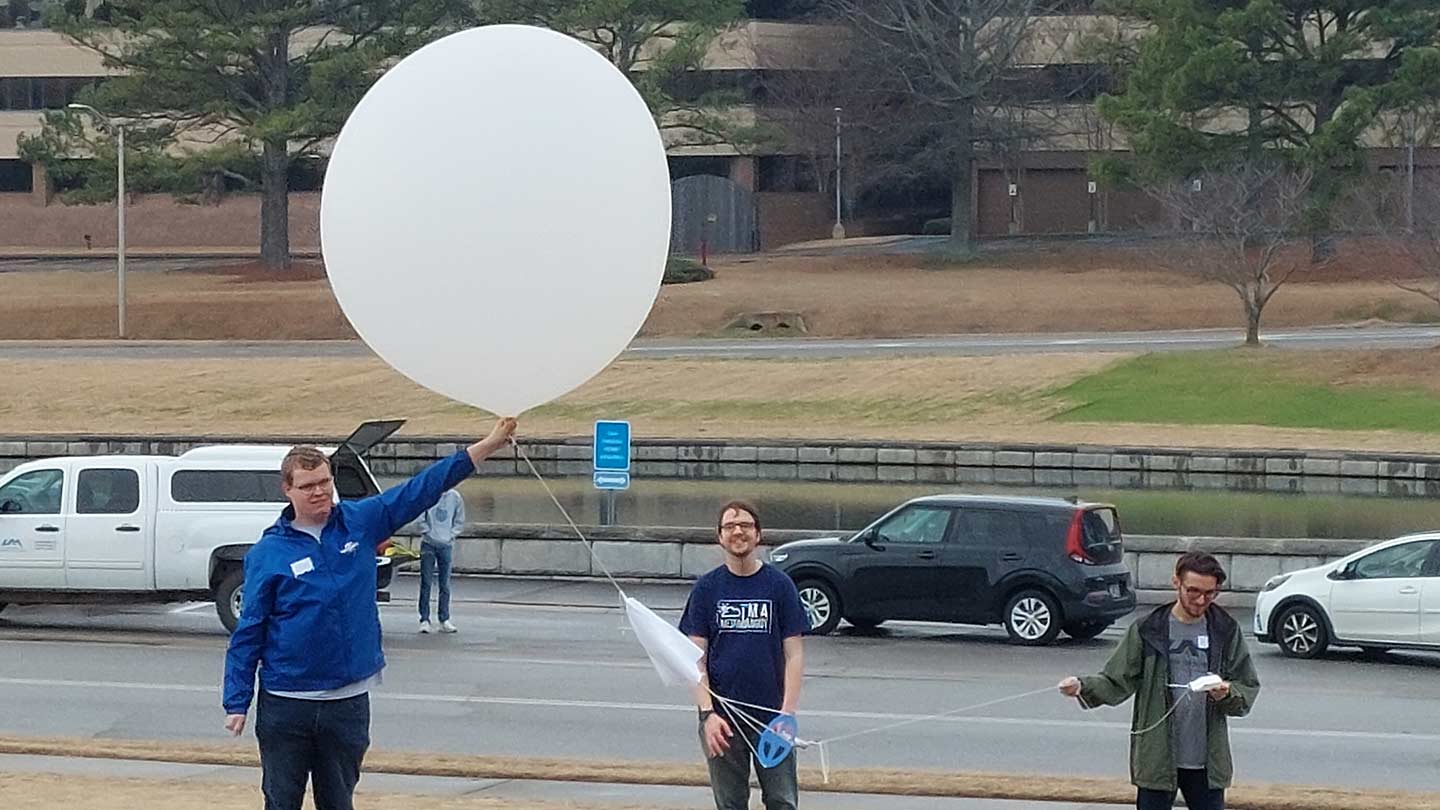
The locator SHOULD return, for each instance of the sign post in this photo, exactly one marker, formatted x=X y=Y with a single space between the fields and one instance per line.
x=611 y=464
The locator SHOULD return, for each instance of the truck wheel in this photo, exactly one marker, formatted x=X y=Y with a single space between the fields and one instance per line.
x=229 y=598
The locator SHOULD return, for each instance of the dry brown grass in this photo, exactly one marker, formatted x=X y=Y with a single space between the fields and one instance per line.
x=1065 y=287
x=889 y=782
x=179 y=305
x=998 y=399
x=899 y=296
x=665 y=397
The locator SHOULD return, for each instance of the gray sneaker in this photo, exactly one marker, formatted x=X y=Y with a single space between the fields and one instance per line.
x=447 y=627
x=424 y=627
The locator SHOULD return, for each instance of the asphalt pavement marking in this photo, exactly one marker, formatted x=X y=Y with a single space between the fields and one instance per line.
x=689 y=708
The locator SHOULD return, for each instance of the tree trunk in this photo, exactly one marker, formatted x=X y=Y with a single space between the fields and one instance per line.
x=275 y=207
x=275 y=158
x=1252 y=323
x=1322 y=245
x=962 y=191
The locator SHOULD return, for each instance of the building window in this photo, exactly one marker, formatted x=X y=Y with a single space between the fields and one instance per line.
x=691 y=166
x=16 y=175
x=41 y=92
x=786 y=173
x=307 y=174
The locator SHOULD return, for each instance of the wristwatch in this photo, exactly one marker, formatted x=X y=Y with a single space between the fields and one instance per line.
x=705 y=714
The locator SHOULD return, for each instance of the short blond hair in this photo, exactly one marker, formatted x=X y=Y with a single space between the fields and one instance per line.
x=305 y=457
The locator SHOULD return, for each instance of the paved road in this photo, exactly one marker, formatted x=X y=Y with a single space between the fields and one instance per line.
x=545 y=668
x=1334 y=337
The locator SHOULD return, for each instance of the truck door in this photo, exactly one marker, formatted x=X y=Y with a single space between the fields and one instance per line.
x=109 y=528
x=32 y=529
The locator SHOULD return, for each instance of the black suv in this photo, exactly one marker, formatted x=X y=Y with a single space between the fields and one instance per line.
x=1035 y=565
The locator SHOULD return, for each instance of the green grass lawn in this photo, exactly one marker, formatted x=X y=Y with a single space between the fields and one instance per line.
x=1267 y=388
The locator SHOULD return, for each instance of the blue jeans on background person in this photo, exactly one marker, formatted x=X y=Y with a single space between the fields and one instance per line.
x=322 y=740
x=435 y=561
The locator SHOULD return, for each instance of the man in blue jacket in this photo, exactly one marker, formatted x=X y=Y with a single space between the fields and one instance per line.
x=310 y=623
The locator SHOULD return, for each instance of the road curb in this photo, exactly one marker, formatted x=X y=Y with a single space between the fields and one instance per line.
x=860 y=780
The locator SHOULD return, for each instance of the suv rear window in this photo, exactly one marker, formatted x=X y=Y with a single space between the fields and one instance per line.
x=992 y=527
x=1101 y=536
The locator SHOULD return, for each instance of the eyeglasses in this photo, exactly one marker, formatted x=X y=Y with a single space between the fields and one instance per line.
x=743 y=525
x=316 y=486
x=1196 y=593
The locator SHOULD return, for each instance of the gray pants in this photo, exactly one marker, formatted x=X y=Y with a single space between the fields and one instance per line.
x=730 y=776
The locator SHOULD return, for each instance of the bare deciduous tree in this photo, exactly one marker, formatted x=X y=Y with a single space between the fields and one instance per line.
x=1240 y=225
x=1394 y=212
x=940 y=73
x=1404 y=214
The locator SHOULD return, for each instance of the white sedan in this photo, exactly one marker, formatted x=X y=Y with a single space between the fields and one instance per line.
x=1382 y=597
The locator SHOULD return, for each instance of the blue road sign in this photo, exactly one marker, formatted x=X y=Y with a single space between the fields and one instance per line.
x=611 y=479
x=612 y=446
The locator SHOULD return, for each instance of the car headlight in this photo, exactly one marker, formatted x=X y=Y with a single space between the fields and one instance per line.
x=779 y=556
x=1275 y=582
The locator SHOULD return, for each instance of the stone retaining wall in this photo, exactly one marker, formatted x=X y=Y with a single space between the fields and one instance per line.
x=1306 y=471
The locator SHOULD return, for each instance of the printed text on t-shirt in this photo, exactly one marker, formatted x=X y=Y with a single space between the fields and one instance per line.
x=743 y=615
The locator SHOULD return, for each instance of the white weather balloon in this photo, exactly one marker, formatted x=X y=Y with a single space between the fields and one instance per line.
x=496 y=216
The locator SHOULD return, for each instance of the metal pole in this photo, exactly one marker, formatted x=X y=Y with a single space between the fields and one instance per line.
x=838 y=232
x=120 y=242
x=1410 y=179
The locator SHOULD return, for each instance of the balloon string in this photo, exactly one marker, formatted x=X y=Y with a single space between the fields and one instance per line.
x=1166 y=716
x=733 y=704
x=519 y=451
x=938 y=716
x=588 y=546
x=751 y=721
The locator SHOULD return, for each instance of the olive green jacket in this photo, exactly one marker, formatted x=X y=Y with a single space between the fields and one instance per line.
x=1140 y=666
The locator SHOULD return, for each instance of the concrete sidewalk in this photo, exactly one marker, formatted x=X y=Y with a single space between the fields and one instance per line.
x=515 y=790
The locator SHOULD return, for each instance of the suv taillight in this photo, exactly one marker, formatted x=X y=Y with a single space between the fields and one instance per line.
x=1075 y=540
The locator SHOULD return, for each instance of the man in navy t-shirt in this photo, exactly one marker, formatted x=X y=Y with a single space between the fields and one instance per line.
x=746 y=616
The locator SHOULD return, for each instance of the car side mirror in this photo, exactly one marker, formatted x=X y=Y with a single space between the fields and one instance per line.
x=9 y=507
x=872 y=538
x=1344 y=572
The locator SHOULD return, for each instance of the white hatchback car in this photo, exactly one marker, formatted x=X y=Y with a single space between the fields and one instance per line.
x=1382 y=597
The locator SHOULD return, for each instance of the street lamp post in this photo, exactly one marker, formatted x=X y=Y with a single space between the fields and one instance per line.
x=838 y=232
x=119 y=131
x=1410 y=175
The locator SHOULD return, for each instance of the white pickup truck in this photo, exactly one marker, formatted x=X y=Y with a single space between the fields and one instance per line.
x=115 y=529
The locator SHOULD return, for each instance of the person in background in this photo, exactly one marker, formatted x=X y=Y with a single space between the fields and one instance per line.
x=439 y=526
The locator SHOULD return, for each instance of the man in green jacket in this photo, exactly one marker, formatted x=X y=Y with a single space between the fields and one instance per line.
x=1179 y=738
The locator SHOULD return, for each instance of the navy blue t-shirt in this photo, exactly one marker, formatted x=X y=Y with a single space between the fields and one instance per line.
x=744 y=621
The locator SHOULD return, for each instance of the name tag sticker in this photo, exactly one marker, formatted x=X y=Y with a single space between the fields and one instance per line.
x=1203 y=642
x=307 y=565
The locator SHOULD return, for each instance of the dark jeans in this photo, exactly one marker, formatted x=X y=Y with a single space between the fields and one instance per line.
x=1194 y=784
x=435 y=562
x=730 y=776
x=322 y=740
